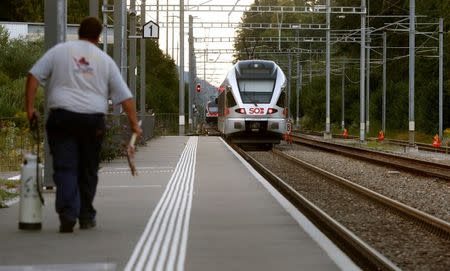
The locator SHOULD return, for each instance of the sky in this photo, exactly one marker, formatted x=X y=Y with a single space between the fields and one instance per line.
x=214 y=69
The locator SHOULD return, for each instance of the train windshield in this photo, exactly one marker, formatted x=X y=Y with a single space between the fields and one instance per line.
x=256 y=91
x=256 y=81
x=212 y=108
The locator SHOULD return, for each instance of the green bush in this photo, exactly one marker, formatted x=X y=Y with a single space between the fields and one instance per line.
x=12 y=98
x=8 y=190
x=18 y=56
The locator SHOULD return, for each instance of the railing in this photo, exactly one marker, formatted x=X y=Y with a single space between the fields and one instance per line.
x=17 y=140
x=166 y=124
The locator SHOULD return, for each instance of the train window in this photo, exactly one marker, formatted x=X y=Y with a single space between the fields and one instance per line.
x=260 y=71
x=212 y=108
x=282 y=99
x=256 y=70
x=256 y=91
x=230 y=99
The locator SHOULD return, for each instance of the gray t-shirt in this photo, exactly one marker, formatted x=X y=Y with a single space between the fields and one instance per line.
x=80 y=78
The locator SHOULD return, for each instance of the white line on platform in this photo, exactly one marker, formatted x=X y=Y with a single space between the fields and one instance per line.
x=129 y=186
x=14 y=200
x=62 y=267
x=160 y=243
x=127 y=168
x=15 y=178
x=336 y=255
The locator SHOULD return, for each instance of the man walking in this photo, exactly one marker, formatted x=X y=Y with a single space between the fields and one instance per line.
x=80 y=78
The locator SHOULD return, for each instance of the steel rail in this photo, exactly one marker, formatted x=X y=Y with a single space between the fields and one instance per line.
x=434 y=224
x=355 y=248
x=405 y=163
x=420 y=146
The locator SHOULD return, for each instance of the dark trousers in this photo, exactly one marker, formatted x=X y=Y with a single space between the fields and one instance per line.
x=75 y=142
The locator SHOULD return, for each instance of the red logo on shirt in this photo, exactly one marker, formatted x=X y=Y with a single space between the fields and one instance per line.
x=82 y=65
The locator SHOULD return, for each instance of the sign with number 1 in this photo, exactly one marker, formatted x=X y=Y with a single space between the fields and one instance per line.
x=150 y=30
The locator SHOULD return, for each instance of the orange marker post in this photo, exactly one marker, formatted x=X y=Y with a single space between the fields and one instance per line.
x=345 y=133
x=437 y=141
x=380 y=135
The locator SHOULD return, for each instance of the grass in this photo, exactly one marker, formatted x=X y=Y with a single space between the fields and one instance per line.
x=383 y=146
x=8 y=190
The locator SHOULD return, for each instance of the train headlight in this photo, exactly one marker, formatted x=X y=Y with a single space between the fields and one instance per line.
x=240 y=110
x=272 y=111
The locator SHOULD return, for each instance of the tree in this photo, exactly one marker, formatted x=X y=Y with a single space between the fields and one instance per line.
x=33 y=10
x=312 y=97
x=161 y=80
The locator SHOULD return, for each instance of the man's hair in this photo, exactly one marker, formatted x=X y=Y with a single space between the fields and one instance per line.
x=90 y=28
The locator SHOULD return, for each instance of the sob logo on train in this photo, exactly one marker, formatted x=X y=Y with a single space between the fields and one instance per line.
x=256 y=111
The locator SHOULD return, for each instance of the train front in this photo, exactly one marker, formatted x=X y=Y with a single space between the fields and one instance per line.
x=255 y=103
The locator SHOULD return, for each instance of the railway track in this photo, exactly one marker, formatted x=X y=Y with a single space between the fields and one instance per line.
x=362 y=253
x=405 y=163
x=357 y=249
x=420 y=146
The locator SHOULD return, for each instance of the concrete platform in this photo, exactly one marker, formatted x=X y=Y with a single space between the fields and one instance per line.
x=195 y=205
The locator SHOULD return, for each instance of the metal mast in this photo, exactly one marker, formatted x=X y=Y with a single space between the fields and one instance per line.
x=343 y=97
x=383 y=114
x=181 y=67
x=191 y=68
x=362 y=74
x=132 y=51
x=298 y=89
x=120 y=39
x=142 y=61
x=328 y=73
x=55 y=18
x=412 y=45
x=441 y=74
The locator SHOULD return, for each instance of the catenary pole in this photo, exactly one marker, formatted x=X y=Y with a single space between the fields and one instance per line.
x=362 y=74
x=142 y=64
x=343 y=97
x=368 y=83
x=383 y=114
x=167 y=27
x=441 y=74
x=310 y=64
x=181 y=67
x=173 y=36
x=55 y=19
x=105 y=26
x=132 y=51
x=120 y=41
x=412 y=45
x=289 y=82
x=297 y=92
x=93 y=8
x=191 y=68
x=328 y=72
x=157 y=11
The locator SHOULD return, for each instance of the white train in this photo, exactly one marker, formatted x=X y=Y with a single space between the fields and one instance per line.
x=253 y=103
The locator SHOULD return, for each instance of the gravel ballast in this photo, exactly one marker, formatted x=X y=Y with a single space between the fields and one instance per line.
x=408 y=245
x=428 y=194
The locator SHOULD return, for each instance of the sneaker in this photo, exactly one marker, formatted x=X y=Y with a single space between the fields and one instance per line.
x=87 y=224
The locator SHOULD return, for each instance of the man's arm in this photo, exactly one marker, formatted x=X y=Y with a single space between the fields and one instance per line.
x=30 y=94
x=129 y=108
